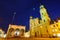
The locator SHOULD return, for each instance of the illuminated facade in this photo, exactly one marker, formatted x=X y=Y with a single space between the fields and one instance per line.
x=39 y=29
x=43 y=28
x=1 y=33
x=56 y=28
x=15 y=30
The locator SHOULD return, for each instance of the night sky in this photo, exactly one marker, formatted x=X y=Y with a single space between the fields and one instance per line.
x=24 y=9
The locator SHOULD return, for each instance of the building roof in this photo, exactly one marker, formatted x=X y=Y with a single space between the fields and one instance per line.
x=56 y=20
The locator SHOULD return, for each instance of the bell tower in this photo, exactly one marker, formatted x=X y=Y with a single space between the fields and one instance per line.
x=31 y=22
x=44 y=16
x=45 y=20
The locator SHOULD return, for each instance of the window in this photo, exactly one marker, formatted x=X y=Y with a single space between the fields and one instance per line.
x=47 y=31
x=11 y=31
x=53 y=25
x=44 y=20
x=17 y=29
x=41 y=8
x=22 y=32
x=17 y=32
x=57 y=25
x=42 y=13
x=35 y=34
x=54 y=35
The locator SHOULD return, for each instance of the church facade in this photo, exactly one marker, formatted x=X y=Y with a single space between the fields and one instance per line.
x=43 y=28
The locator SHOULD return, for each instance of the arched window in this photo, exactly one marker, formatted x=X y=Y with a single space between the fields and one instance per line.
x=44 y=20
x=17 y=29
x=17 y=32
x=53 y=25
x=22 y=32
x=57 y=25
x=10 y=31
x=35 y=34
x=42 y=13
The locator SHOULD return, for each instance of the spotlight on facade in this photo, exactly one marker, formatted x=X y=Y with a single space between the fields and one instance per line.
x=58 y=20
x=58 y=34
x=54 y=34
x=27 y=34
x=4 y=35
x=51 y=26
x=16 y=33
x=54 y=30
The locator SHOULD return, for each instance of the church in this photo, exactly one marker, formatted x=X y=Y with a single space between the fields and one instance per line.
x=44 y=28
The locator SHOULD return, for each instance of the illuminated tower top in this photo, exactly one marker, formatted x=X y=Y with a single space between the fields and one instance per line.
x=44 y=16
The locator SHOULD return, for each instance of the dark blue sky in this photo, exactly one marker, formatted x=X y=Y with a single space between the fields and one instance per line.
x=24 y=9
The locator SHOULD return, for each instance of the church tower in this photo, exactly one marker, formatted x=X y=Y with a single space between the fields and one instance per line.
x=31 y=23
x=45 y=20
x=44 y=16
